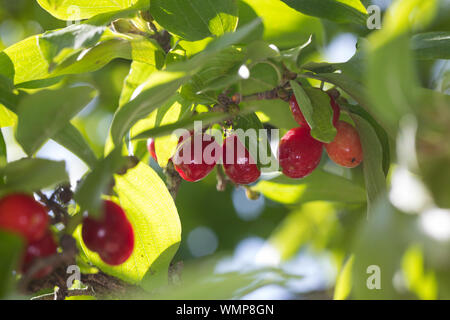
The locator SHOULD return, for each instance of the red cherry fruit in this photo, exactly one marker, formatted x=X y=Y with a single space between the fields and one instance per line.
x=40 y=249
x=300 y=119
x=299 y=153
x=345 y=150
x=238 y=163
x=151 y=148
x=21 y=214
x=112 y=236
x=198 y=162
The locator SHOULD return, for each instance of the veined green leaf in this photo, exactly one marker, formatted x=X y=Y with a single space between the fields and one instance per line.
x=161 y=85
x=316 y=108
x=195 y=19
x=83 y=9
x=43 y=114
x=28 y=62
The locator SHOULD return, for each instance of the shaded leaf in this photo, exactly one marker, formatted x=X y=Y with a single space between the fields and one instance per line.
x=43 y=114
x=31 y=174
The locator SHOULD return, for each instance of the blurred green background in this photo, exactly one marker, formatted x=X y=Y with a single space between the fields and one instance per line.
x=307 y=242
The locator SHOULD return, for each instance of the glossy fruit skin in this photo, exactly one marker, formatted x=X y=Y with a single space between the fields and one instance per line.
x=300 y=119
x=299 y=153
x=151 y=148
x=40 y=249
x=194 y=168
x=22 y=214
x=240 y=168
x=112 y=236
x=346 y=149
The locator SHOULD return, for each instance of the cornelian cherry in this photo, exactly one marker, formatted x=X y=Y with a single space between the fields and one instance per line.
x=238 y=163
x=22 y=214
x=40 y=249
x=196 y=157
x=299 y=153
x=300 y=119
x=345 y=150
x=111 y=236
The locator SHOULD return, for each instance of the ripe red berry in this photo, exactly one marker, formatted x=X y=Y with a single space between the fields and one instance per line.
x=111 y=236
x=40 y=249
x=345 y=149
x=20 y=213
x=299 y=153
x=238 y=163
x=300 y=119
x=151 y=148
x=192 y=162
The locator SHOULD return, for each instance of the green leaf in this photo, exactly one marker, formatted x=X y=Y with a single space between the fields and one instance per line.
x=139 y=72
x=381 y=133
x=74 y=37
x=264 y=76
x=372 y=163
x=31 y=174
x=3 y=151
x=96 y=183
x=161 y=85
x=291 y=57
x=7 y=117
x=316 y=108
x=28 y=62
x=165 y=146
x=391 y=81
x=276 y=112
x=7 y=97
x=431 y=45
x=311 y=188
x=156 y=225
x=11 y=247
x=70 y=138
x=84 y=9
x=258 y=145
x=293 y=29
x=344 y=280
x=196 y=19
x=43 y=114
x=341 y=11
x=187 y=123
x=352 y=87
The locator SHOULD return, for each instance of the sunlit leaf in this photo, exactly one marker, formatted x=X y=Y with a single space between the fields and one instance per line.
x=195 y=19
x=156 y=225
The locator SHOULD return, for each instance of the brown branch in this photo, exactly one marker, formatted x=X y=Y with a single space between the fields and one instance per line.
x=173 y=179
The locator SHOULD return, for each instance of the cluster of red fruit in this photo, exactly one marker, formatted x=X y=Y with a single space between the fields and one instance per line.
x=239 y=167
x=111 y=237
x=23 y=215
x=298 y=154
